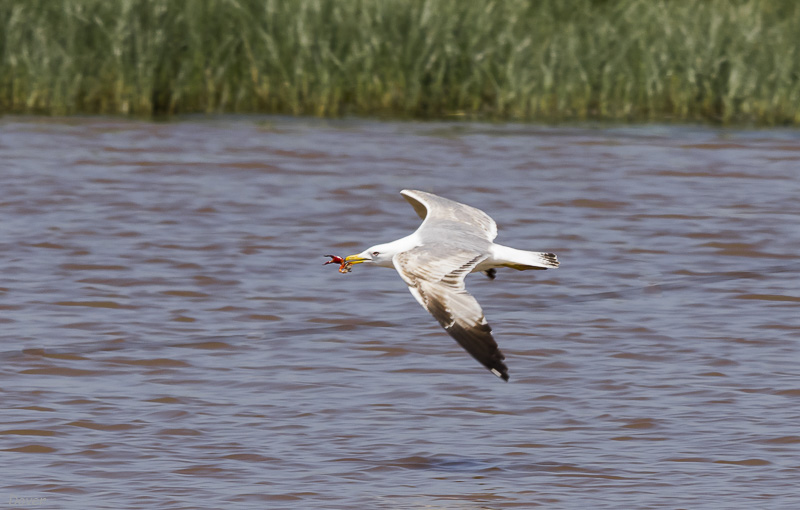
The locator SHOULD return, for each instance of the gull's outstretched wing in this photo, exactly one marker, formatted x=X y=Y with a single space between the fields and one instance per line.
x=443 y=213
x=435 y=276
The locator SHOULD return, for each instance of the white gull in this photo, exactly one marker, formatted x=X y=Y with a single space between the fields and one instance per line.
x=453 y=240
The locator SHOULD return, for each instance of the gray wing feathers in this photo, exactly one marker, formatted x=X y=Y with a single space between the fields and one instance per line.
x=437 y=281
x=437 y=210
x=471 y=332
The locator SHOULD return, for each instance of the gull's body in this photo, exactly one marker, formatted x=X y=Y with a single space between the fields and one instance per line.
x=453 y=240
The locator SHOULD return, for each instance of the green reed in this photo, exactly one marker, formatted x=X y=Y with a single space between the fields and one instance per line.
x=719 y=60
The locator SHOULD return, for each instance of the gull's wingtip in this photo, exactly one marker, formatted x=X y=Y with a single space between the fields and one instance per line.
x=502 y=375
x=419 y=205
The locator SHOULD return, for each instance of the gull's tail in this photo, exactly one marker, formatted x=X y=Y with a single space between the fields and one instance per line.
x=523 y=260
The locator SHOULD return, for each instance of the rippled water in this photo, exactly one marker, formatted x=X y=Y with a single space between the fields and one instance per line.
x=171 y=339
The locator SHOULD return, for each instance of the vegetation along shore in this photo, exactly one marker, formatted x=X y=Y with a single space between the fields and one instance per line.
x=723 y=61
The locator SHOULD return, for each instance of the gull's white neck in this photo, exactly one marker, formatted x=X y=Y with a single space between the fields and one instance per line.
x=389 y=250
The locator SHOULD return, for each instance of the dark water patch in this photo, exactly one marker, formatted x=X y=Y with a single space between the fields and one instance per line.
x=32 y=448
x=745 y=250
x=208 y=345
x=768 y=297
x=782 y=440
x=107 y=427
x=93 y=267
x=96 y=304
x=720 y=174
x=66 y=372
x=28 y=432
x=156 y=362
x=185 y=293
x=744 y=462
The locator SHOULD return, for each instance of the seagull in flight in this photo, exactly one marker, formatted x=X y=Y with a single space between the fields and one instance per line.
x=453 y=240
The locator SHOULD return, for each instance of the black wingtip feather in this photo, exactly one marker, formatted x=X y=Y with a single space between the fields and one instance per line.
x=502 y=375
x=499 y=369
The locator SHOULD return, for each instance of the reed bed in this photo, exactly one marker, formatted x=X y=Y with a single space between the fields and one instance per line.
x=724 y=61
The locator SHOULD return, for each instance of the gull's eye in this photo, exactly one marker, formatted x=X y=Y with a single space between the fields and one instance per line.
x=375 y=253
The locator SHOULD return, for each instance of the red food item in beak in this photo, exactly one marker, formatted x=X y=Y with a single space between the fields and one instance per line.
x=334 y=258
x=344 y=266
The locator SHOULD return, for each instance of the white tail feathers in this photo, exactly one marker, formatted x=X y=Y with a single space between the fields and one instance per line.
x=521 y=259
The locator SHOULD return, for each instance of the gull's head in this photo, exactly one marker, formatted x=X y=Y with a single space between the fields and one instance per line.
x=379 y=255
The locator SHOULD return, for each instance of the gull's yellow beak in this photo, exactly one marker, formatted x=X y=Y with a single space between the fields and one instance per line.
x=355 y=259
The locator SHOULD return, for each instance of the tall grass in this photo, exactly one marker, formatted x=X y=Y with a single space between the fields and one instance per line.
x=720 y=60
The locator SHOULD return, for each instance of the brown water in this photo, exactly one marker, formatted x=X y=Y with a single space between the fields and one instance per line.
x=171 y=339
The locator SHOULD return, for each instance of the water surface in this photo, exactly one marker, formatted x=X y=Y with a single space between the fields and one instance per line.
x=170 y=338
